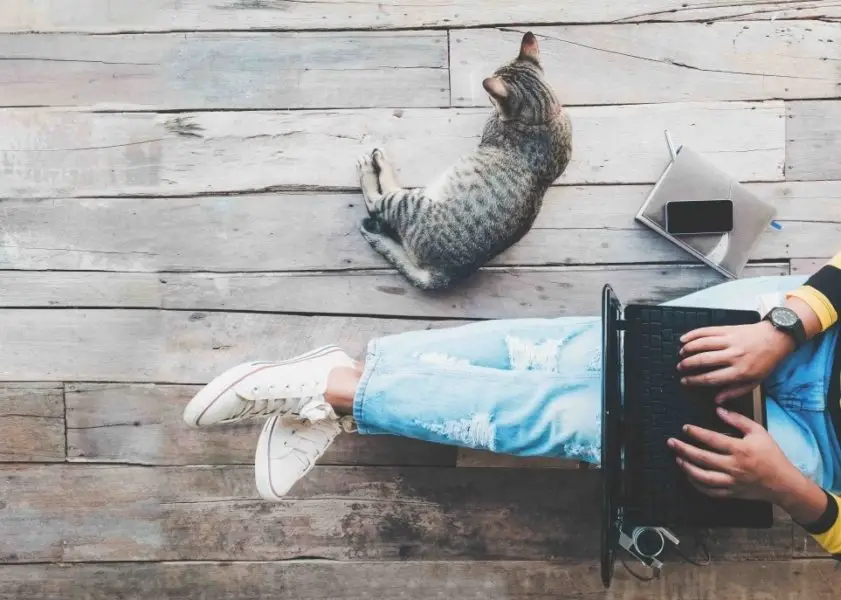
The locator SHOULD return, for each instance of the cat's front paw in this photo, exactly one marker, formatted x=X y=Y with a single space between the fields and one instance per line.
x=386 y=176
x=379 y=159
x=366 y=170
x=368 y=182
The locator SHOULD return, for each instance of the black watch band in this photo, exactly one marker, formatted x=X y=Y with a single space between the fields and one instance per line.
x=787 y=321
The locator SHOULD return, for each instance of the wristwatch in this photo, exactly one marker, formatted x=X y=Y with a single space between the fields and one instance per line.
x=787 y=321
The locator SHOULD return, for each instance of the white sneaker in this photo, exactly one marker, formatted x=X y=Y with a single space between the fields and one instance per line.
x=288 y=450
x=260 y=389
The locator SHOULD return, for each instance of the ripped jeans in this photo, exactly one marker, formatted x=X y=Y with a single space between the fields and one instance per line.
x=532 y=387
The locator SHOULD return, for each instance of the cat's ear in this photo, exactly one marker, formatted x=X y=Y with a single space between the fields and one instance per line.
x=529 y=49
x=496 y=88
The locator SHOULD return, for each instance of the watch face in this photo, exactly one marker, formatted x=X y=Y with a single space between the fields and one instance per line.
x=785 y=317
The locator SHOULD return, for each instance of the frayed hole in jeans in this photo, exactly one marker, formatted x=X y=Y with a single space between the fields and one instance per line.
x=477 y=432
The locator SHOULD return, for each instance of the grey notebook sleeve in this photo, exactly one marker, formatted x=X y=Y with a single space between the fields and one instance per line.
x=690 y=177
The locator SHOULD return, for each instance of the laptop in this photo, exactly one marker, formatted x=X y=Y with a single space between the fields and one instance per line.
x=644 y=404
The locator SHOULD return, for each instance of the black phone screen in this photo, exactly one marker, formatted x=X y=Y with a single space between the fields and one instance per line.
x=707 y=216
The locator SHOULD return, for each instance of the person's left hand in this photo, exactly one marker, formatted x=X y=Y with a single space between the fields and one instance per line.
x=752 y=467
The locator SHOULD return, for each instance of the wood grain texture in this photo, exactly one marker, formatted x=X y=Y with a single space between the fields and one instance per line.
x=587 y=65
x=163 y=346
x=468 y=457
x=31 y=422
x=214 y=70
x=49 y=153
x=491 y=294
x=101 y=16
x=142 y=424
x=807 y=266
x=813 y=134
x=591 y=224
x=663 y=62
x=386 y=513
x=477 y=580
x=52 y=289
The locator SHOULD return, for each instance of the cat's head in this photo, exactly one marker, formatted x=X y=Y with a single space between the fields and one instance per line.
x=519 y=89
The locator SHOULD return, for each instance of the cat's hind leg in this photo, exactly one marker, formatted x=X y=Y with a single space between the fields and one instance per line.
x=394 y=253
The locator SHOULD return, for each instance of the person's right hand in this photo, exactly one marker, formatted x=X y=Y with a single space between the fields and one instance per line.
x=735 y=358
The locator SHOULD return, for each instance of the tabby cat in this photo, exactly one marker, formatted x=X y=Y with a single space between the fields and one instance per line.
x=439 y=235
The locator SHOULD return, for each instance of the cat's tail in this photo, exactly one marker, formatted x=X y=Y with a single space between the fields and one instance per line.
x=424 y=279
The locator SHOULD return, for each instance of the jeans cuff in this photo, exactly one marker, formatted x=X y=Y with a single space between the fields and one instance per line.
x=372 y=356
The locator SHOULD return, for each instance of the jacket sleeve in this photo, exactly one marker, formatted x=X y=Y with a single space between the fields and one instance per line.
x=827 y=529
x=822 y=292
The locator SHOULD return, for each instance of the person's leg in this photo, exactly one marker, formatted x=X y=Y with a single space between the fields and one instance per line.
x=557 y=345
x=808 y=440
x=543 y=400
x=802 y=386
x=520 y=413
x=524 y=387
x=528 y=387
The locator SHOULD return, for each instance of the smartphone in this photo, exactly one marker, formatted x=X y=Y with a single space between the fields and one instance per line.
x=703 y=216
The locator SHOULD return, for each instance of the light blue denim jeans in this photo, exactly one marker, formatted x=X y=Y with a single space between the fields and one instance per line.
x=532 y=387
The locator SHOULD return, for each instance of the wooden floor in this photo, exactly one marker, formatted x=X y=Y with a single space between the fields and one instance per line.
x=179 y=195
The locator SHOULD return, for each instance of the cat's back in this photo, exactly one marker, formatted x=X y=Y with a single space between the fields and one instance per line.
x=482 y=204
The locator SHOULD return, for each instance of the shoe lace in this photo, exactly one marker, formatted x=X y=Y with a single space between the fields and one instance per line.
x=348 y=424
x=268 y=400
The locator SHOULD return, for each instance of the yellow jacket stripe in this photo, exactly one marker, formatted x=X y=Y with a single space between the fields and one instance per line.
x=822 y=292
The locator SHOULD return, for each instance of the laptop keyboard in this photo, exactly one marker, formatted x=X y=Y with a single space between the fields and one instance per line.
x=659 y=406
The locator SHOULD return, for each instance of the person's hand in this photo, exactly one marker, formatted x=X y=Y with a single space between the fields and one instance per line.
x=752 y=467
x=735 y=358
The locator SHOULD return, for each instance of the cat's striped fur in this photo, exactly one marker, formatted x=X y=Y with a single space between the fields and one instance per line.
x=486 y=202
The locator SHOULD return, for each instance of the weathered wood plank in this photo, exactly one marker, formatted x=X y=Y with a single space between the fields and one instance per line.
x=142 y=424
x=613 y=64
x=31 y=422
x=468 y=457
x=591 y=224
x=494 y=293
x=813 y=135
x=666 y=62
x=51 y=152
x=166 y=346
x=510 y=293
x=52 y=289
x=101 y=16
x=807 y=266
x=210 y=70
x=204 y=513
x=805 y=545
x=497 y=580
